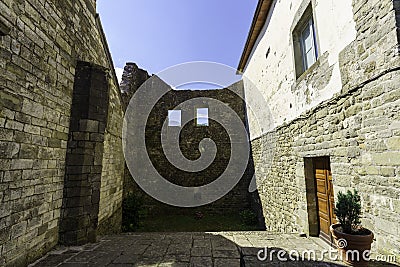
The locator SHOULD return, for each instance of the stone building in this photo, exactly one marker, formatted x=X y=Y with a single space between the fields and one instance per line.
x=175 y=107
x=330 y=73
x=61 y=160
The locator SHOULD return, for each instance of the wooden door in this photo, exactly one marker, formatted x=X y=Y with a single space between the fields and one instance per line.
x=325 y=196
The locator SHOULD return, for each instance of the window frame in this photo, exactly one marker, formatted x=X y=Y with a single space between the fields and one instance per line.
x=304 y=18
x=310 y=25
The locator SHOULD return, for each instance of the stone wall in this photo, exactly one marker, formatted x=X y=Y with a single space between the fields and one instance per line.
x=358 y=128
x=40 y=45
x=190 y=136
x=363 y=150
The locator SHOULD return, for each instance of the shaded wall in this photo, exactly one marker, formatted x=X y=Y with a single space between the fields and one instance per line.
x=40 y=45
x=190 y=136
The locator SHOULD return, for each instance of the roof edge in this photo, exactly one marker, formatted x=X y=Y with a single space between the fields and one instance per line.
x=260 y=16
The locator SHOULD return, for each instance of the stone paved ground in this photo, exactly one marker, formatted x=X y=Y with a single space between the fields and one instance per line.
x=223 y=249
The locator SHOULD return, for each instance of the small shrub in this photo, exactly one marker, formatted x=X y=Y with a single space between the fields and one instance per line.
x=248 y=217
x=132 y=213
x=348 y=211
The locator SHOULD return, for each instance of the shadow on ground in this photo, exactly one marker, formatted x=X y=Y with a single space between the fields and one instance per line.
x=225 y=249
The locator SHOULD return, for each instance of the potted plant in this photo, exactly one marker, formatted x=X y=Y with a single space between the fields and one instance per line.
x=353 y=241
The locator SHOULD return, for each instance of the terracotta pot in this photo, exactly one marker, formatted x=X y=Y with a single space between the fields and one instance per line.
x=354 y=250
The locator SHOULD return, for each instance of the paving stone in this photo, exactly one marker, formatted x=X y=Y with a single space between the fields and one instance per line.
x=201 y=262
x=127 y=258
x=107 y=253
x=82 y=257
x=229 y=254
x=200 y=251
x=178 y=251
x=53 y=260
x=104 y=259
x=250 y=251
x=174 y=264
x=226 y=262
x=177 y=258
x=204 y=243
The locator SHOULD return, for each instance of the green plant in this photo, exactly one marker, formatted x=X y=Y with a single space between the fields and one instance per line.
x=248 y=217
x=132 y=212
x=348 y=211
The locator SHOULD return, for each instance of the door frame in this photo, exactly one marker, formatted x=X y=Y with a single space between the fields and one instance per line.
x=312 y=200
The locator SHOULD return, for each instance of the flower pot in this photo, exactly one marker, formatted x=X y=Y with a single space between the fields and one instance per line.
x=354 y=250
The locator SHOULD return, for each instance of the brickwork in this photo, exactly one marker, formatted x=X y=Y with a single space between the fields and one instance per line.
x=40 y=45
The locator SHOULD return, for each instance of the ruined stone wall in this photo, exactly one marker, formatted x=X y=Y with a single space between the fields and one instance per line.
x=40 y=45
x=358 y=128
x=132 y=78
x=190 y=136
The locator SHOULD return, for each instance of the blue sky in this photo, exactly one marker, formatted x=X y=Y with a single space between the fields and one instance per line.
x=157 y=34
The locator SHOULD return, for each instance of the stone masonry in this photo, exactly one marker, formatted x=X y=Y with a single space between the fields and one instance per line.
x=190 y=136
x=358 y=128
x=61 y=177
x=84 y=155
x=62 y=171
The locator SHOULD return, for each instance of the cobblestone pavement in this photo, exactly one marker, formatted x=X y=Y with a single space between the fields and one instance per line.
x=223 y=249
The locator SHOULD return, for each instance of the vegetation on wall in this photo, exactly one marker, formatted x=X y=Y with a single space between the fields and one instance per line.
x=133 y=213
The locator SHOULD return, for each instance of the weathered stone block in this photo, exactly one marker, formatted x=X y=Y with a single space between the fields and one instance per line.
x=14 y=125
x=10 y=100
x=21 y=164
x=393 y=143
x=8 y=149
x=387 y=158
x=42 y=229
x=18 y=229
x=31 y=129
x=89 y=126
x=387 y=171
x=32 y=108
x=28 y=151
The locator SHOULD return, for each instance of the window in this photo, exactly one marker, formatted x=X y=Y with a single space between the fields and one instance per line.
x=305 y=43
x=308 y=47
x=202 y=117
x=174 y=118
